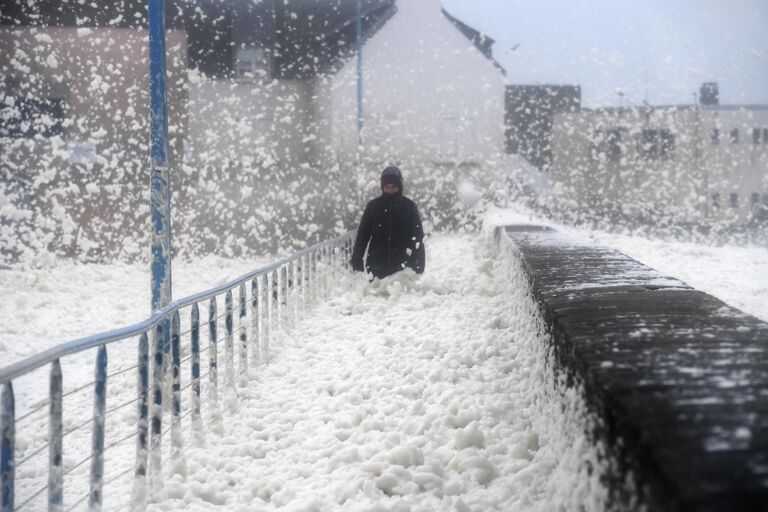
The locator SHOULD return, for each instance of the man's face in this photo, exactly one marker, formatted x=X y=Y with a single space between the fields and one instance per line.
x=389 y=188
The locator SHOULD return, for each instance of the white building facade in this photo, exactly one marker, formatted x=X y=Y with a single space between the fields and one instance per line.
x=699 y=164
x=433 y=103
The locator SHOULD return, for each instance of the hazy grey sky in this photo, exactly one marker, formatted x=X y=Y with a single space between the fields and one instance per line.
x=655 y=50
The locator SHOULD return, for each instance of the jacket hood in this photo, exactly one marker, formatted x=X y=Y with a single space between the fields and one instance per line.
x=392 y=175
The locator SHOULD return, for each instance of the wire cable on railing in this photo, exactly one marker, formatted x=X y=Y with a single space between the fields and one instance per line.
x=28 y=500
x=70 y=509
x=73 y=391
x=124 y=404
x=83 y=461
x=120 y=441
x=83 y=424
x=65 y=473
x=118 y=477
x=169 y=427
x=201 y=351
x=30 y=413
x=199 y=379
x=25 y=459
x=122 y=371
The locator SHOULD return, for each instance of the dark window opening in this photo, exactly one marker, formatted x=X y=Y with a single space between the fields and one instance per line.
x=755 y=198
x=657 y=144
x=756 y=135
x=765 y=135
x=715 y=137
x=607 y=144
x=735 y=136
x=716 y=200
x=252 y=61
x=734 y=200
x=31 y=117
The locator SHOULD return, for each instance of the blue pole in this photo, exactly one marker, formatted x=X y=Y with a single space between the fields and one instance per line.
x=195 y=362
x=97 y=443
x=359 y=27
x=139 y=495
x=55 y=441
x=160 y=181
x=7 y=449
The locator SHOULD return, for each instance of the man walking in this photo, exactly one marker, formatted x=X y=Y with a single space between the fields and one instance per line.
x=392 y=225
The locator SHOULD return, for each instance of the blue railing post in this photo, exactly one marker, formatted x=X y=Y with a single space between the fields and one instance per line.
x=213 y=361
x=312 y=277
x=283 y=311
x=255 y=312
x=324 y=269
x=97 y=442
x=8 y=448
x=195 y=342
x=212 y=355
x=160 y=186
x=275 y=307
x=300 y=283
x=55 y=436
x=155 y=453
x=176 y=438
x=243 y=325
x=229 y=361
x=139 y=495
x=265 y=306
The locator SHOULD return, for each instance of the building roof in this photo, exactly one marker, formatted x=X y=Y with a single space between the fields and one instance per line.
x=307 y=37
x=654 y=108
x=482 y=42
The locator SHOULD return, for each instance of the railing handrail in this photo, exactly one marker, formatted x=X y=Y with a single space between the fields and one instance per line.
x=31 y=363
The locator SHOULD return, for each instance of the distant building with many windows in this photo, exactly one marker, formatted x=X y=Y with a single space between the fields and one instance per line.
x=694 y=163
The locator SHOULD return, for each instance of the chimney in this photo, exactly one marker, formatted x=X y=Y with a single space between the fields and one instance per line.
x=709 y=94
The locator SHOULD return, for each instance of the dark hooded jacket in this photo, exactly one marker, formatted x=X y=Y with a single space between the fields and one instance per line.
x=392 y=225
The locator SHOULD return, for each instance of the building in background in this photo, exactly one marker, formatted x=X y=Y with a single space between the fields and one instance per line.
x=255 y=98
x=262 y=107
x=433 y=102
x=702 y=164
x=74 y=121
x=529 y=113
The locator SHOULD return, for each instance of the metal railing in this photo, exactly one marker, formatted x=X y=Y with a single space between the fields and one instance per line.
x=277 y=295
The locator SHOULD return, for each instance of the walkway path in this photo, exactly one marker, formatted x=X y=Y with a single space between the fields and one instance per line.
x=425 y=393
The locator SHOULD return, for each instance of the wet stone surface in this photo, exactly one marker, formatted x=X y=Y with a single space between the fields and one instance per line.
x=679 y=378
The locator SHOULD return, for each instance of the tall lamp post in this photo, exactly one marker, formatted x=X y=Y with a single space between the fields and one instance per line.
x=160 y=196
x=160 y=180
x=359 y=27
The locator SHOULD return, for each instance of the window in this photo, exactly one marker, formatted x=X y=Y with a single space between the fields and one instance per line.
x=765 y=135
x=735 y=136
x=756 y=132
x=755 y=198
x=734 y=200
x=657 y=144
x=606 y=144
x=22 y=117
x=715 y=136
x=716 y=200
x=251 y=61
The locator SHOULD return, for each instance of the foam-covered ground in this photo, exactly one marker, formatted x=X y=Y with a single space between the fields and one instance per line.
x=413 y=393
